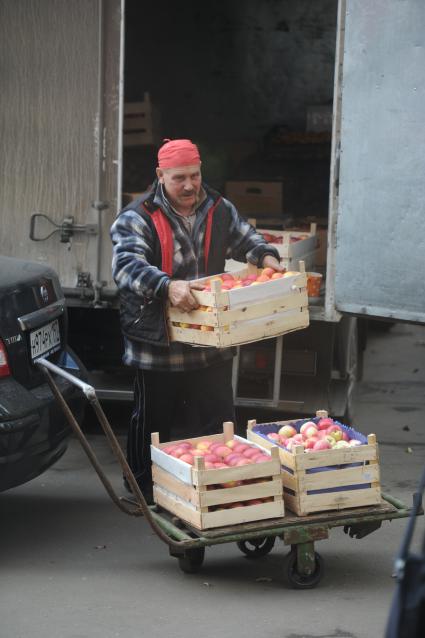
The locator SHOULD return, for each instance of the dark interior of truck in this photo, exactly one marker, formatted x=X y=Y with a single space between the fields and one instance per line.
x=251 y=83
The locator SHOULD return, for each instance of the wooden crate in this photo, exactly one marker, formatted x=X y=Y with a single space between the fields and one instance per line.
x=291 y=252
x=243 y=315
x=185 y=490
x=140 y=123
x=327 y=479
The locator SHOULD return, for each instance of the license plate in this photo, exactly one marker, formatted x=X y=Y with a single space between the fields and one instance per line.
x=45 y=340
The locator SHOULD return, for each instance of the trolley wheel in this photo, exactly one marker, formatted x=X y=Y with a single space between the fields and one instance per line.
x=257 y=547
x=303 y=581
x=191 y=561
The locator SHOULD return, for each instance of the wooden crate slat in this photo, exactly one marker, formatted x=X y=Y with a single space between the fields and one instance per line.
x=170 y=464
x=224 y=475
x=220 y=317
x=241 y=493
x=169 y=482
x=338 y=500
x=292 y=503
x=289 y=480
x=198 y=439
x=137 y=122
x=277 y=325
x=342 y=477
x=324 y=458
x=177 y=507
x=244 y=514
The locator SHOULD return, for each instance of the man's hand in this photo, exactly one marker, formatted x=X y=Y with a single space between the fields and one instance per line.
x=271 y=262
x=180 y=296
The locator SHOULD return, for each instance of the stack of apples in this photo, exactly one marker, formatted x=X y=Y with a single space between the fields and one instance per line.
x=229 y=281
x=233 y=453
x=278 y=239
x=216 y=454
x=314 y=436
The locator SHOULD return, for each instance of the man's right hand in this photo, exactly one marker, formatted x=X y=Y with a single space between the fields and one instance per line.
x=180 y=296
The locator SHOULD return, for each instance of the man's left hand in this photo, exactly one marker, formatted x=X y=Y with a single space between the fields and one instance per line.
x=271 y=262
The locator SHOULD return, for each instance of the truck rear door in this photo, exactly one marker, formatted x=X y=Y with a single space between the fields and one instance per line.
x=379 y=237
x=60 y=132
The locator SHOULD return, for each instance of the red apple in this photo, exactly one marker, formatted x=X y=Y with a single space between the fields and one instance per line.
x=222 y=451
x=287 y=431
x=203 y=445
x=306 y=425
x=252 y=451
x=310 y=442
x=321 y=445
x=273 y=436
x=232 y=457
x=324 y=423
x=187 y=458
x=240 y=447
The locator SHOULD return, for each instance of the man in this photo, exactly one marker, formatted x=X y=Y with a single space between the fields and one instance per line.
x=178 y=231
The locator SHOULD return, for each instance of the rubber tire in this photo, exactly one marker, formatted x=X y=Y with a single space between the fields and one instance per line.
x=191 y=561
x=260 y=546
x=299 y=581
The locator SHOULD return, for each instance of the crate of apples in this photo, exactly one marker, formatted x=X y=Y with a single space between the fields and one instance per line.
x=325 y=464
x=206 y=479
x=243 y=306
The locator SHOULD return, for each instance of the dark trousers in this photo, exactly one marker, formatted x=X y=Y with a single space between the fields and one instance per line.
x=183 y=404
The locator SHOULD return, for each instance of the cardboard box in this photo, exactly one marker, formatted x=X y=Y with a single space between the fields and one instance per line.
x=244 y=314
x=209 y=498
x=255 y=198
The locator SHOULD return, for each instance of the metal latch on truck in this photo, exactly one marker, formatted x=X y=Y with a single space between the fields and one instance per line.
x=66 y=229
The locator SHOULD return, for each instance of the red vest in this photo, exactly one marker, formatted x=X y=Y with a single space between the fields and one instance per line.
x=165 y=235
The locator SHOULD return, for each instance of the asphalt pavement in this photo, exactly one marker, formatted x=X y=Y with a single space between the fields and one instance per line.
x=74 y=566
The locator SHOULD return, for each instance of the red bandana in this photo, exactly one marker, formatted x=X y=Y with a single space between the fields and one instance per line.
x=177 y=153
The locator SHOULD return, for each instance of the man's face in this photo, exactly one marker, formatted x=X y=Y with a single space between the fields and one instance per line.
x=182 y=185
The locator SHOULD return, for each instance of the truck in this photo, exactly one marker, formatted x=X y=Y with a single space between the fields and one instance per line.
x=323 y=98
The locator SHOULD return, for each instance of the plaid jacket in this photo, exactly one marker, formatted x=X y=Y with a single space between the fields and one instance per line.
x=142 y=284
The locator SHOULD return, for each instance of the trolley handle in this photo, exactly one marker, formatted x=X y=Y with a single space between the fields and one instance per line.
x=142 y=507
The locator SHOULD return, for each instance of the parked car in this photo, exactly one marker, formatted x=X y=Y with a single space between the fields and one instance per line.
x=33 y=323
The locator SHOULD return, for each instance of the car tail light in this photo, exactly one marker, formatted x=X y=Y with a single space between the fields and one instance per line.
x=4 y=365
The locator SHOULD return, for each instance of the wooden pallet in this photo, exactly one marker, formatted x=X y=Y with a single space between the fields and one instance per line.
x=357 y=466
x=243 y=315
x=186 y=492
